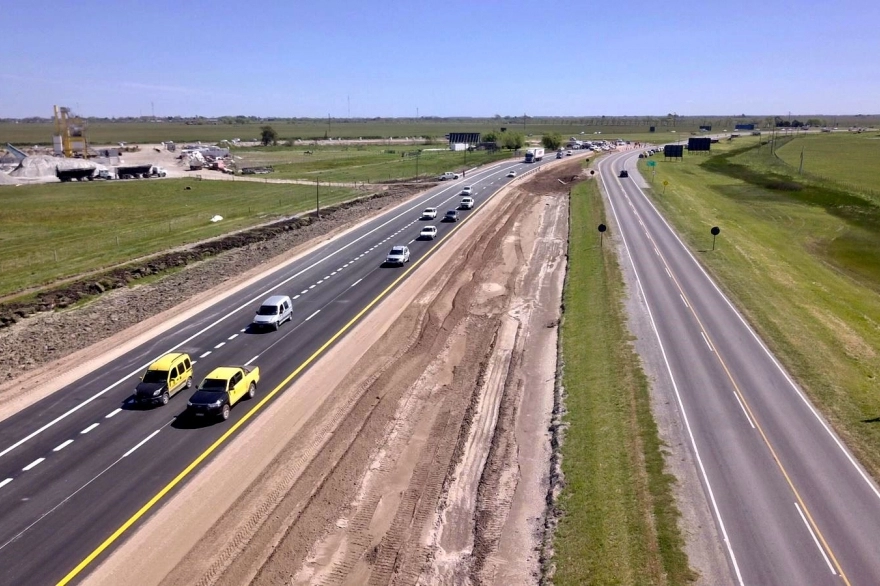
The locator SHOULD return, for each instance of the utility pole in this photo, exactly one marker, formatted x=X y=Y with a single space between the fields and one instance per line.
x=317 y=199
x=348 y=98
x=328 y=125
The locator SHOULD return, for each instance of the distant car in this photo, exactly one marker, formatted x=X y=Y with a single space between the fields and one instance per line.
x=641 y=155
x=466 y=203
x=428 y=233
x=429 y=213
x=273 y=312
x=467 y=190
x=222 y=388
x=399 y=255
x=451 y=216
x=624 y=173
x=567 y=153
x=448 y=175
x=558 y=155
x=165 y=377
x=511 y=173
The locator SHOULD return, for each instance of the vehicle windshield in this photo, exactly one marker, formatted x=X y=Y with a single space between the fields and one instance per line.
x=396 y=250
x=156 y=376
x=213 y=384
x=268 y=310
x=451 y=213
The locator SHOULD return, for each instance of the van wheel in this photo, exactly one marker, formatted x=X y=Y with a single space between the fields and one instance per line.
x=276 y=325
x=164 y=398
x=189 y=382
x=252 y=390
x=224 y=414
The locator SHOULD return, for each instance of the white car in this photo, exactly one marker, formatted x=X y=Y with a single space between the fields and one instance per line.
x=511 y=174
x=429 y=213
x=466 y=203
x=468 y=190
x=428 y=233
x=399 y=255
x=448 y=175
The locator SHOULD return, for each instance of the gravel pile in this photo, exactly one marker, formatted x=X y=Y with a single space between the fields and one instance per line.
x=43 y=166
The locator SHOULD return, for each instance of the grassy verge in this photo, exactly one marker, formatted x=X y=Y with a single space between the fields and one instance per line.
x=54 y=231
x=848 y=159
x=619 y=522
x=801 y=258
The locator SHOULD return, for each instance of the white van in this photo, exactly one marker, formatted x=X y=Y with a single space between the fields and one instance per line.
x=273 y=312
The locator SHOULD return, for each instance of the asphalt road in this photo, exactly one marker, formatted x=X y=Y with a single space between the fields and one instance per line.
x=79 y=463
x=791 y=503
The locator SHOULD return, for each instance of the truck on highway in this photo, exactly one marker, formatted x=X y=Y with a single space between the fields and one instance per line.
x=222 y=388
x=533 y=155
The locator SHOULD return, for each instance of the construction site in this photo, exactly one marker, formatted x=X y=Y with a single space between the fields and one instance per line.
x=73 y=158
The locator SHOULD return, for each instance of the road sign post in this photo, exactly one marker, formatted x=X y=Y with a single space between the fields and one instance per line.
x=665 y=183
x=602 y=229
x=715 y=232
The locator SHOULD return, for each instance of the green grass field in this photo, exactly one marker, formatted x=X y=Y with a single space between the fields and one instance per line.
x=364 y=163
x=24 y=135
x=619 y=521
x=58 y=230
x=801 y=258
x=848 y=159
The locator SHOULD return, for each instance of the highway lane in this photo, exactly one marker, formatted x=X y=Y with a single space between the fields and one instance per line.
x=791 y=502
x=75 y=465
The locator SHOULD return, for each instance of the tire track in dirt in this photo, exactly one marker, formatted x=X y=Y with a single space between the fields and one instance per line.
x=354 y=497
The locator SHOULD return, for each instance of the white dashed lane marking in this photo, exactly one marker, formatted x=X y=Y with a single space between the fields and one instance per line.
x=142 y=442
x=119 y=410
x=233 y=336
x=32 y=464
x=296 y=296
x=205 y=354
x=304 y=291
x=62 y=445
x=319 y=282
x=356 y=282
x=220 y=345
x=252 y=359
x=313 y=315
x=5 y=482
x=89 y=428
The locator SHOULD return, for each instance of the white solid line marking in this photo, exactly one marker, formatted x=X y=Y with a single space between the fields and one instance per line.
x=220 y=345
x=683 y=300
x=233 y=336
x=705 y=339
x=32 y=464
x=252 y=359
x=313 y=315
x=119 y=410
x=356 y=282
x=816 y=541
x=142 y=442
x=89 y=428
x=205 y=354
x=296 y=296
x=63 y=445
x=668 y=273
x=5 y=482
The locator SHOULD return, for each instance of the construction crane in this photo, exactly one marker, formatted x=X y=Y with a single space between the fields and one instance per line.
x=70 y=134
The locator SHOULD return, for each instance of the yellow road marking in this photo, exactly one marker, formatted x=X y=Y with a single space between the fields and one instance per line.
x=757 y=424
x=222 y=439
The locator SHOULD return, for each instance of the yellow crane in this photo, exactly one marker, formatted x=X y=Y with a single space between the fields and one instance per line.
x=70 y=134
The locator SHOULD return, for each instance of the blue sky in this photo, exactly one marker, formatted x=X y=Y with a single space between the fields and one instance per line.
x=452 y=58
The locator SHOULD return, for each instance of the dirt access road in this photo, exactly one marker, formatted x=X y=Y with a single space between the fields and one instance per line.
x=425 y=463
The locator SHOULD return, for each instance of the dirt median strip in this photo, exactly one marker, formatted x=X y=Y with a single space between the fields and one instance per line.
x=230 y=473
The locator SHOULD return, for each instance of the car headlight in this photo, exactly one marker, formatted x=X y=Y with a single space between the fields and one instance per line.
x=189 y=404
x=217 y=403
x=157 y=392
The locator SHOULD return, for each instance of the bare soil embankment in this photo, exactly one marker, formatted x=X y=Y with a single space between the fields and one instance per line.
x=429 y=461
